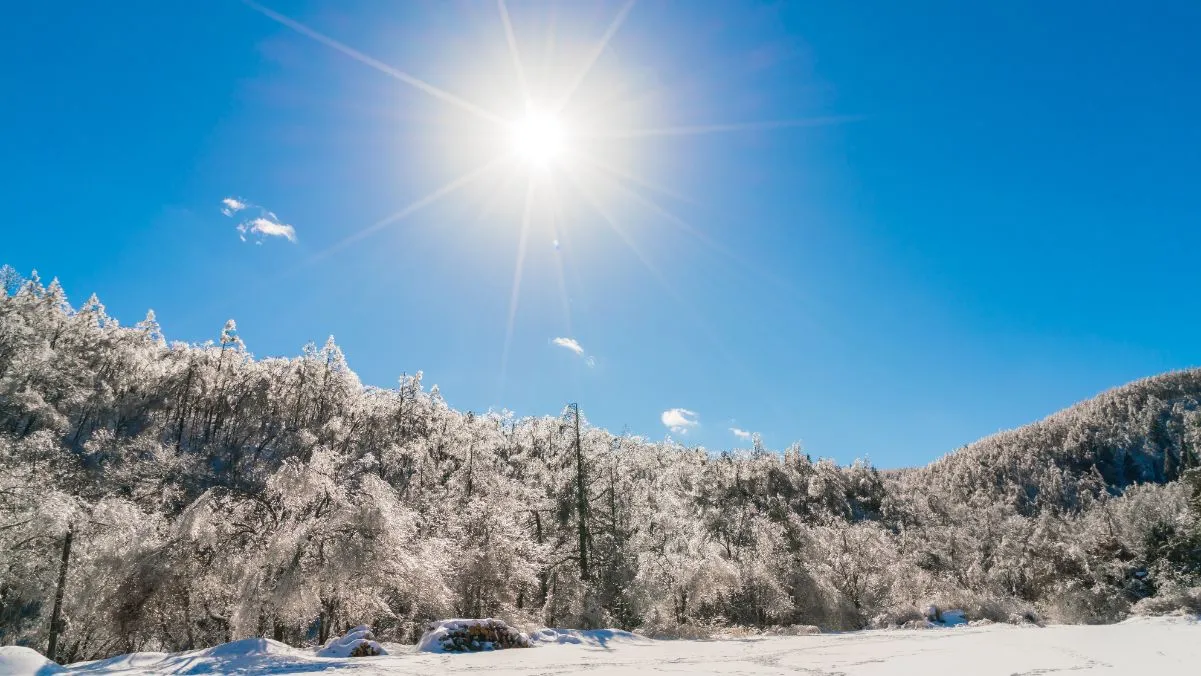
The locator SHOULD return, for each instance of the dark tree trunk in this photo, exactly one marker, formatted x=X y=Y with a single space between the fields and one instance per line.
x=581 y=497
x=187 y=618
x=57 y=615
x=326 y=620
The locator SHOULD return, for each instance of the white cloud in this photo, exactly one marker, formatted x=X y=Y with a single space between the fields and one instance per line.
x=571 y=344
x=267 y=228
x=741 y=434
x=265 y=225
x=679 y=420
x=232 y=204
x=574 y=345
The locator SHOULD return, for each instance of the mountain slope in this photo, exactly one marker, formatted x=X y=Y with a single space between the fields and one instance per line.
x=1146 y=431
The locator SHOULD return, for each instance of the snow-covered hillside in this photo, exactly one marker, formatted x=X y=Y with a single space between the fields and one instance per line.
x=1161 y=646
x=161 y=496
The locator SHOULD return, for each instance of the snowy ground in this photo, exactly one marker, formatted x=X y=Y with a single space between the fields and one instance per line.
x=1161 y=646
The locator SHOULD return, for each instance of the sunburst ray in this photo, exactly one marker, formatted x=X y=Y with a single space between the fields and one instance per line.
x=408 y=79
x=592 y=57
x=705 y=239
x=560 y=242
x=699 y=129
x=515 y=291
x=630 y=177
x=620 y=231
x=411 y=209
x=682 y=303
x=512 y=40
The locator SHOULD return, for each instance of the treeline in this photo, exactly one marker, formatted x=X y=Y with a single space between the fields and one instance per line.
x=165 y=496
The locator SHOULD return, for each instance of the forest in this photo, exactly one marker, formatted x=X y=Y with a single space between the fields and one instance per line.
x=159 y=495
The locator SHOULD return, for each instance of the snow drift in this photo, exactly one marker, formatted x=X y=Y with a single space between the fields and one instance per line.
x=358 y=642
x=19 y=661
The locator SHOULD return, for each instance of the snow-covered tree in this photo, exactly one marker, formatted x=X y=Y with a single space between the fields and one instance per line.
x=210 y=495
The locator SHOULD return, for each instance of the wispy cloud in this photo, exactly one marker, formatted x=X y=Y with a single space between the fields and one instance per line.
x=680 y=420
x=267 y=228
x=741 y=434
x=574 y=345
x=232 y=205
x=265 y=225
x=571 y=344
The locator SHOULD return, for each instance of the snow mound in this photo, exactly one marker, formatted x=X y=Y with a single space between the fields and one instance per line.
x=247 y=647
x=248 y=655
x=585 y=637
x=18 y=661
x=471 y=635
x=358 y=642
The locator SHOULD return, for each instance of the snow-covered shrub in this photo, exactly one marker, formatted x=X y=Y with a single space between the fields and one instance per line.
x=565 y=604
x=687 y=632
x=854 y=559
x=1028 y=617
x=897 y=617
x=1171 y=600
x=659 y=626
x=976 y=607
x=1073 y=603
x=471 y=635
x=759 y=598
x=795 y=630
x=911 y=618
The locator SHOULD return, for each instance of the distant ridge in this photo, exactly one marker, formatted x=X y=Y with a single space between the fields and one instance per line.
x=1147 y=431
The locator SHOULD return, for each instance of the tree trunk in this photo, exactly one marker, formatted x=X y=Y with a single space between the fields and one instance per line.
x=329 y=612
x=57 y=615
x=187 y=618
x=581 y=497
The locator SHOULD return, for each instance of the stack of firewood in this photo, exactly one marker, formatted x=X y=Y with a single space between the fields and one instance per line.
x=471 y=636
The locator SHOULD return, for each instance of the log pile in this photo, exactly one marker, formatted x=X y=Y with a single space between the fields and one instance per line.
x=471 y=635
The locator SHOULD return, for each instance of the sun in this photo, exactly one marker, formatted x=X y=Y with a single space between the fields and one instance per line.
x=538 y=138
x=573 y=156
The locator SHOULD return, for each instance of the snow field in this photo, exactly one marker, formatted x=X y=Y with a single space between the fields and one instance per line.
x=1164 y=646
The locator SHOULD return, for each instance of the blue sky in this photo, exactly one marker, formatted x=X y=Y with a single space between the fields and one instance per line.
x=978 y=213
